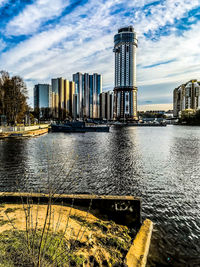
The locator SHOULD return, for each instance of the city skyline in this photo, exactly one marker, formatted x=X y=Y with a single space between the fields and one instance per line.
x=47 y=39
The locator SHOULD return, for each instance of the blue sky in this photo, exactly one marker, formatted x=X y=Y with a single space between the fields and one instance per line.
x=42 y=39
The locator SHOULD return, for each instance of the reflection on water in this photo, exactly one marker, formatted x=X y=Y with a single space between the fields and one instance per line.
x=161 y=165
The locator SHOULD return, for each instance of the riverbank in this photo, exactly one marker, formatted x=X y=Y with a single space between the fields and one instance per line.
x=94 y=239
x=26 y=131
x=89 y=237
x=103 y=242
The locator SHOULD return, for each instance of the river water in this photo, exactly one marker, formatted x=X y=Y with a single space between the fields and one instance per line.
x=159 y=164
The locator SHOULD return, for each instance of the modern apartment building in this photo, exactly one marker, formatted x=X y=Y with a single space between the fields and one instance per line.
x=85 y=95
x=78 y=98
x=125 y=90
x=77 y=78
x=186 y=96
x=106 y=105
x=62 y=97
x=42 y=96
x=88 y=89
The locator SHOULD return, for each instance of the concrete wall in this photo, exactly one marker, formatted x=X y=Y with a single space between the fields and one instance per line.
x=138 y=252
x=125 y=210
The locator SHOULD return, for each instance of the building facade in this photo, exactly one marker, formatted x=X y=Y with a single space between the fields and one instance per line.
x=62 y=97
x=125 y=90
x=42 y=96
x=88 y=89
x=43 y=100
x=106 y=105
x=77 y=78
x=186 y=96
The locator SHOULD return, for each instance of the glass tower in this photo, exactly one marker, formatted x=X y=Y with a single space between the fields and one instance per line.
x=42 y=96
x=125 y=91
x=88 y=89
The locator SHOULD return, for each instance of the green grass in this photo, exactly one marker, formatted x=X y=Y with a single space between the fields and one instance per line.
x=15 y=252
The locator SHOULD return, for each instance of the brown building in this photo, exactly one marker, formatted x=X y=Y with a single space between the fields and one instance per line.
x=62 y=97
x=186 y=96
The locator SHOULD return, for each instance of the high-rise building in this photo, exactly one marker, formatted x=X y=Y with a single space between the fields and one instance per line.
x=103 y=105
x=55 y=97
x=106 y=105
x=66 y=96
x=85 y=95
x=186 y=96
x=95 y=90
x=42 y=96
x=77 y=78
x=110 y=105
x=125 y=90
x=72 y=104
x=62 y=97
x=88 y=88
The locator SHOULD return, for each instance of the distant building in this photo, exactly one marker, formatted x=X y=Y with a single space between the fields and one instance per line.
x=186 y=96
x=88 y=89
x=85 y=95
x=103 y=105
x=42 y=96
x=55 y=97
x=106 y=105
x=77 y=78
x=125 y=91
x=62 y=97
x=72 y=102
x=96 y=90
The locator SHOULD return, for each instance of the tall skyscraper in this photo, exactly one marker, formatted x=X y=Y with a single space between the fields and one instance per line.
x=125 y=91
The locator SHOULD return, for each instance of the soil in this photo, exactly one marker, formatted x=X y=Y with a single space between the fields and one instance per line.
x=90 y=241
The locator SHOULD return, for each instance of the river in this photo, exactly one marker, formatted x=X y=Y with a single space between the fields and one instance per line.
x=159 y=164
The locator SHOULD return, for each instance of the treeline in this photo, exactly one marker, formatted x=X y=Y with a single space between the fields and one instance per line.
x=190 y=117
x=13 y=98
x=148 y=114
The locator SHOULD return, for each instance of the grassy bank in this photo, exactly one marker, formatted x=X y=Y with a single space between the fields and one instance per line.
x=72 y=237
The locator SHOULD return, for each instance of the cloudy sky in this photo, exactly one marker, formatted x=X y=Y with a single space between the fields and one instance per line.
x=43 y=39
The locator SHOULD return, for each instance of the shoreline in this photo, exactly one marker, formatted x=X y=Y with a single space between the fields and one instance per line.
x=138 y=249
x=30 y=131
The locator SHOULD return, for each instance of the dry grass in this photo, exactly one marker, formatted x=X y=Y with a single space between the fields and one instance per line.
x=81 y=238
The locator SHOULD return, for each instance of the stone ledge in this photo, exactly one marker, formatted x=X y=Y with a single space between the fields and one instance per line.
x=124 y=210
x=138 y=252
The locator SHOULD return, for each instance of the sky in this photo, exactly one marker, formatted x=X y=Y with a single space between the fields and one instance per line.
x=44 y=39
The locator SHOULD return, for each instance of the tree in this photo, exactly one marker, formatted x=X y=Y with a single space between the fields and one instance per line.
x=13 y=97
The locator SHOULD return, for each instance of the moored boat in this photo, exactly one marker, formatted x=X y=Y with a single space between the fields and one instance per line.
x=78 y=127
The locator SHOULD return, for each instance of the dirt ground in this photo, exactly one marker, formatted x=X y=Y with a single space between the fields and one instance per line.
x=102 y=242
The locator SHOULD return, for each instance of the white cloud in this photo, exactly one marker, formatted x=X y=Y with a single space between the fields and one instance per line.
x=3 y=2
x=63 y=50
x=2 y=45
x=182 y=49
x=31 y=18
